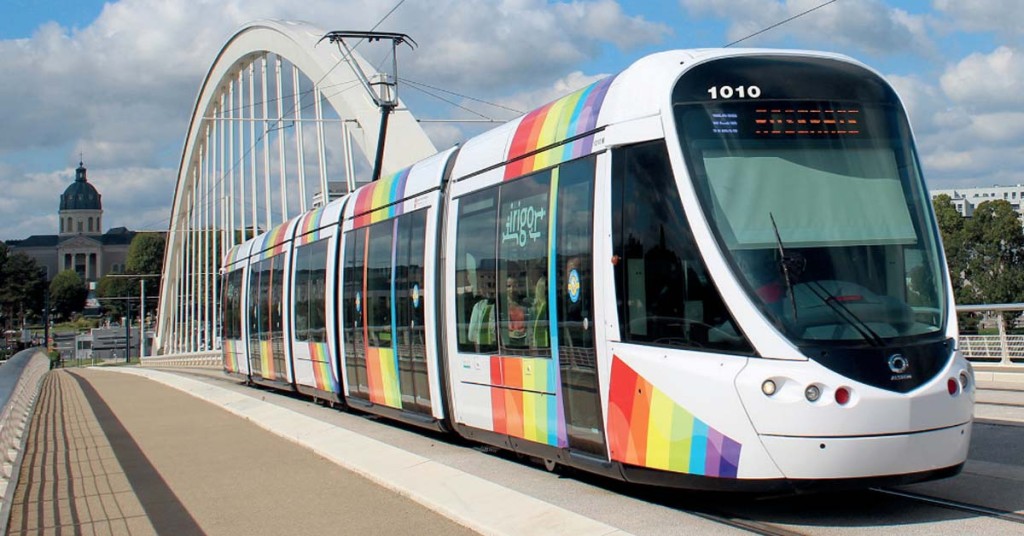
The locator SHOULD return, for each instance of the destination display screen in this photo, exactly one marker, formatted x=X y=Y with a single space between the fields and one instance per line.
x=779 y=78
x=781 y=119
x=780 y=97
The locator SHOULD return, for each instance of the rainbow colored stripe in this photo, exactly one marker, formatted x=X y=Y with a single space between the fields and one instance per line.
x=267 y=371
x=310 y=228
x=230 y=353
x=273 y=242
x=646 y=428
x=385 y=192
x=234 y=255
x=525 y=392
x=320 y=355
x=569 y=117
x=523 y=401
x=382 y=377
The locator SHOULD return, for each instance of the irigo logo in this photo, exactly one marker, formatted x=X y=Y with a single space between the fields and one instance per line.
x=523 y=223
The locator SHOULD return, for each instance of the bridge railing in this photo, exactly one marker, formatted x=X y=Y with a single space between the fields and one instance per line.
x=1001 y=349
x=20 y=378
x=208 y=359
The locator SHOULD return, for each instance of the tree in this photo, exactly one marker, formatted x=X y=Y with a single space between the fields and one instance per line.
x=115 y=287
x=145 y=254
x=145 y=257
x=22 y=287
x=985 y=253
x=68 y=293
x=994 y=241
x=951 y=226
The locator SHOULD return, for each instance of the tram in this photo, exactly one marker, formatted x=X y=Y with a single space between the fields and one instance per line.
x=717 y=269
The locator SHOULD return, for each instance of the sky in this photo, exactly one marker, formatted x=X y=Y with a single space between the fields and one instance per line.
x=115 y=82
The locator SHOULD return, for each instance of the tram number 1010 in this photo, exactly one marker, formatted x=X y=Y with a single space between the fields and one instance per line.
x=739 y=92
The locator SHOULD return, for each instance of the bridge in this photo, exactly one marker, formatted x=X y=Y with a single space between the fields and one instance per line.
x=283 y=120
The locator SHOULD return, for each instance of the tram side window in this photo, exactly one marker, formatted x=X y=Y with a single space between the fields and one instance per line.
x=475 y=263
x=523 y=314
x=233 y=305
x=310 y=284
x=257 y=294
x=665 y=294
x=378 y=284
x=275 y=295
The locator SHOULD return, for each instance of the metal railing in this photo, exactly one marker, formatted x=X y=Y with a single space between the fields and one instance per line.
x=1002 y=349
x=20 y=378
x=209 y=359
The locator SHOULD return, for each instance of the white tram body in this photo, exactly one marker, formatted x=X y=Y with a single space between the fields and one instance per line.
x=718 y=269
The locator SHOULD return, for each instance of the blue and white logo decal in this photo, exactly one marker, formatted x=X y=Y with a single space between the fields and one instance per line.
x=574 y=286
x=359 y=302
x=416 y=295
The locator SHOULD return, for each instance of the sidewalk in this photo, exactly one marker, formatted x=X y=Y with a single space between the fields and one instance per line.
x=112 y=453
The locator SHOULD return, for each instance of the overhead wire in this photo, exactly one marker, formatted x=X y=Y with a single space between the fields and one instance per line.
x=255 y=142
x=780 y=23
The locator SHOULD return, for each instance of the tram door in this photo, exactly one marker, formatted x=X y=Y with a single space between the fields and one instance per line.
x=577 y=355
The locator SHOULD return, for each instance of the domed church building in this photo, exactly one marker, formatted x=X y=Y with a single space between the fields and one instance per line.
x=81 y=244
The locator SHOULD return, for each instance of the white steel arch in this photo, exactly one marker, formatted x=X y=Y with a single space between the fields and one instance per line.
x=274 y=123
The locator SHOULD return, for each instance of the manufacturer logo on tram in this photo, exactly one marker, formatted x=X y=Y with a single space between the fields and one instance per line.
x=899 y=366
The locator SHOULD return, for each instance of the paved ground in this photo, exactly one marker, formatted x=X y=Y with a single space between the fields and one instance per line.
x=118 y=454
x=106 y=456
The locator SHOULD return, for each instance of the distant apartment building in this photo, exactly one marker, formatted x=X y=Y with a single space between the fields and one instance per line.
x=965 y=200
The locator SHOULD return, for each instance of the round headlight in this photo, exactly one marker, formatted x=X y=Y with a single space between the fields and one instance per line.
x=768 y=388
x=813 y=393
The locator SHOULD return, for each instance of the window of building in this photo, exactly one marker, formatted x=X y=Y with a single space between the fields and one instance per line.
x=665 y=293
x=90 y=224
x=79 y=226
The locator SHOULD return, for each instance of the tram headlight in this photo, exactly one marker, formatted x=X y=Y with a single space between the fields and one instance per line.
x=768 y=388
x=965 y=380
x=813 y=393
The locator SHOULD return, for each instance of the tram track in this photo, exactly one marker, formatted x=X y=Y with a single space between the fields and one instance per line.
x=1004 y=515
x=748 y=525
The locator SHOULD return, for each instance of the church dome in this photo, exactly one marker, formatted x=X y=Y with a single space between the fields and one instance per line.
x=80 y=195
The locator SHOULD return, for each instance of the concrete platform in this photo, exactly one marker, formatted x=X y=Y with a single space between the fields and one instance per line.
x=112 y=453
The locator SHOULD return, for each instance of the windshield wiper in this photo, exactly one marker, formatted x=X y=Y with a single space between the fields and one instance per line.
x=784 y=263
x=844 y=312
x=789 y=263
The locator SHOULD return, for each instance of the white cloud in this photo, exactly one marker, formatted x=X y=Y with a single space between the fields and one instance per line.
x=968 y=120
x=1000 y=16
x=536 y=98
x=868 y=25
x=987 y=81
x=121 y=89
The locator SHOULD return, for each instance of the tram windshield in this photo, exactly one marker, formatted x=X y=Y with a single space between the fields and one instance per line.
x=808 y=177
